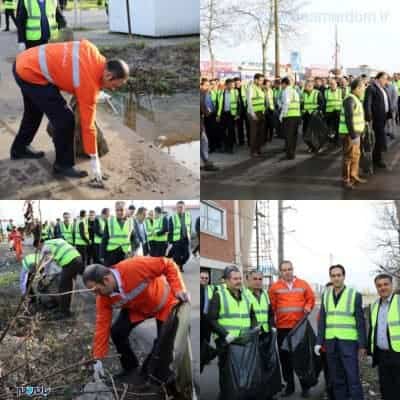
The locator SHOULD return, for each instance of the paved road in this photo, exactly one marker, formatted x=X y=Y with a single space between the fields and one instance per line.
x=209 y=380
x=307 y=177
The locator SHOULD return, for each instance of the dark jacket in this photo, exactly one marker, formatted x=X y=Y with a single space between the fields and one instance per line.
x=137 y=239
x=394 y=356
x=106 y=237
x=374 y=105
x=22 y=17
x=360 y=323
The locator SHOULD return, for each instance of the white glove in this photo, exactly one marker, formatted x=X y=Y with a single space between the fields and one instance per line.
x=98 y=371
x=182 y=296
x=317 y=349
x=229 y=338
x=21 y=47
x=95 y=164
x=356 y=140
x=273 y=329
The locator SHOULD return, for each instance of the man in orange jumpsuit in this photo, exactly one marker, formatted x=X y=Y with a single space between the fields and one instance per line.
x=143 y=288
x=291 y=298
x=74 y=67
x=16 y=236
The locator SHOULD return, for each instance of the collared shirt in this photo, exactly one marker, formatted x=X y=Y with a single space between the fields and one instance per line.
x=208 y=102
x=381 y=330
x=385 y=97
x=227 y=101
x=290 y=284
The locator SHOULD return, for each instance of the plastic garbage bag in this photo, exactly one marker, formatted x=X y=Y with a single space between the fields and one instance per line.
x=317 y=132
x=241 y=374
x=367 y=147
x=271 y=363
x=300 y=342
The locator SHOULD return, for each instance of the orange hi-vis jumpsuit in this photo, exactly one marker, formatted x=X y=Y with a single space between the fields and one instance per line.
x=147 y=289
x=74 y=67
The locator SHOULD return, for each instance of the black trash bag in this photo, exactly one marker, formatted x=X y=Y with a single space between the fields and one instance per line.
x=207 y=354
x=271 y=363
x=317 y=133
x=367 y=147
x=300 y=342
x=241 y=374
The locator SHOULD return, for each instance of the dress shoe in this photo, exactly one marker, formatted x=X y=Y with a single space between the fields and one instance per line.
x=357 y=179
x=69 y=172
x=288 y=392
x=348 y=185
x=305 y=393
x=380 y=164
x=209 y=166
x=28 y=152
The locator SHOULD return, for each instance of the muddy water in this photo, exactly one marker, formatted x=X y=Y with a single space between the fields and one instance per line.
x=170 y=122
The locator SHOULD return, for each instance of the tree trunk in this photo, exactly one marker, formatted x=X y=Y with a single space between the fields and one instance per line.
x=264 y=58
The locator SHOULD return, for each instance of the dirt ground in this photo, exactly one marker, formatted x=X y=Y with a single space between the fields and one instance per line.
x=136 y=168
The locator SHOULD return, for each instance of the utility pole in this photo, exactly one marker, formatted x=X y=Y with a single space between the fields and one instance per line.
x=257 y=239
x=280 y=232
x=277 y=57
x=330 y=259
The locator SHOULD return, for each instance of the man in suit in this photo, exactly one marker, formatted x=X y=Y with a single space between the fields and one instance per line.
x=377 y=108
x=140 y=231
x=341 y=329
x=384 y=336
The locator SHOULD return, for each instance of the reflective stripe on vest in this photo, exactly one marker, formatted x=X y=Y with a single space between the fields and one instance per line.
x=233 y=102
x=78 y=238
x=62 y=252
x=177 y=226
x=260 y=307
x=393 y=322
x=340 y=319
x=158 y=225
x=333 y=100
x=135 y=292
x=75 y=63
x=119 y=237
x=290 y=290
x=149 y=225
x=98 y=239
x=270 y=96
x=66 y=232
x=33 y=22
x=10 y=5
x=257 y=99
x=234 y=315
x=30 y=261
x=310 y=101
x=358 y=117
x=294 y=104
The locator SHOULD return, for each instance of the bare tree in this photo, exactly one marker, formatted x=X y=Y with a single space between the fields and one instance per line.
x=214 y=22
x=257 y=21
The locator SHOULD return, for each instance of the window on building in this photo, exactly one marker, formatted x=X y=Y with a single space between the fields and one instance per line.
x=212 y=219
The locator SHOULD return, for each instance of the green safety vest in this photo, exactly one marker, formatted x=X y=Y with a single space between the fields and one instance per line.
x=258 y=99
x=119 y=237
x=260 y=307
x=30 y=261
x=210 y=291
x=243 y=91
x=67 y=232
x=358 y=118
x=310 y=101
x=277 y=93
x=294 y=105
x=393 y=322
x=33 y=23
x=397 y=83
x=78 y=238
x=10 y=5
x=234 y=101
x=234 y=315
x=149 y=225
x=62 y=252
x=46 y=233
x=177 y=226
x=270 y=96
x=214 y=94
x=345 y=92
x=333 y=100
x=98 y=239
x=157 y=224
x=340 y=320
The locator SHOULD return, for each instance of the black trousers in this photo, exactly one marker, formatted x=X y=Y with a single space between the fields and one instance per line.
x=39 y=100
x=68 y=274
x=93 y=254
x=228 y=128
x=388 y=371
x=332 y=120
x=328 y=380
x=269 y=125
x=290 y=126
x=180 y=253
x=83 y=251
x=9 y=14
x=158 y=249
x=242 y=124
x=120 y=332
x=114 y=257
x=287 y=362
x=213 y=133
x=380 y=140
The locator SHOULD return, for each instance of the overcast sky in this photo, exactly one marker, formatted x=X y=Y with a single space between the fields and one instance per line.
x=368 y=34
x=52 y=209
x=345 y=229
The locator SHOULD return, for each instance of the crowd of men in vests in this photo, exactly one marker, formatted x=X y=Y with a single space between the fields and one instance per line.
x=230 y=309
x=236 y=113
